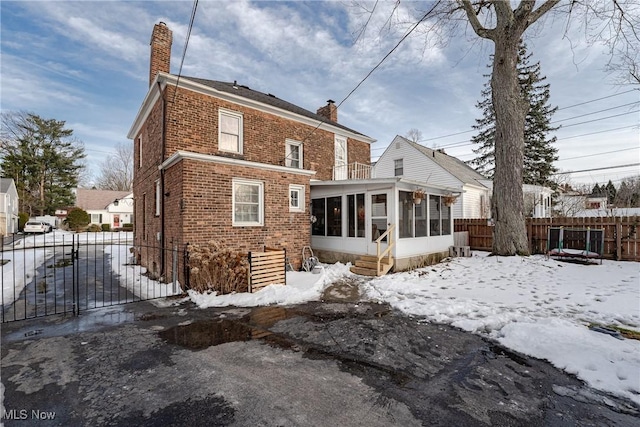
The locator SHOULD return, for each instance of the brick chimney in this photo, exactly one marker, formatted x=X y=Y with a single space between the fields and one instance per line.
x=161 y=39
x=330 y=111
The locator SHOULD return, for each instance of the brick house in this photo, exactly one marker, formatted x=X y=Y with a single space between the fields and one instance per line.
x=218 y=160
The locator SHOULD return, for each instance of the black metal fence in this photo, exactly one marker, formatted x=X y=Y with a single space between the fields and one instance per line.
x=62 y=272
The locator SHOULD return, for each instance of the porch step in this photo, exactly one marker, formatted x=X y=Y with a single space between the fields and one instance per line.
x=367 y=266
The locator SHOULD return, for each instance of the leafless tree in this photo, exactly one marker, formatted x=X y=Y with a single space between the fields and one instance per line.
x=504 y=24
x=116 y=172
x=414 y=135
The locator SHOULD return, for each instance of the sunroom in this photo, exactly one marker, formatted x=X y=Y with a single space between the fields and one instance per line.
x=381 y=223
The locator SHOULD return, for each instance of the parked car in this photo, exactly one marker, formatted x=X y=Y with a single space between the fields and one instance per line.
x=37 y=227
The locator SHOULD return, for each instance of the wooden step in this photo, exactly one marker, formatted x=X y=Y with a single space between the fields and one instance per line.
x=366 y=265
x=364 y=271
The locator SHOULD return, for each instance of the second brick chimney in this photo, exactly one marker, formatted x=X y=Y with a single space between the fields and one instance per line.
x=330 y=111
x=161 y=40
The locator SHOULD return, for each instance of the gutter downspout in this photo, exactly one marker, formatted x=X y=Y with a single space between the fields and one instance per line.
x=164 y=150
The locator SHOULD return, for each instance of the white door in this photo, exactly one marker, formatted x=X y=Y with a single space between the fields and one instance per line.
x=378 y=220
x=340 y=161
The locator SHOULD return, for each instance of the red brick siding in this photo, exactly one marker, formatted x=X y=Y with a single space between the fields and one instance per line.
x=208 y=209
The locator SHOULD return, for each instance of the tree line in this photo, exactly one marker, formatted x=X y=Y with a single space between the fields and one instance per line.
x=47 y=163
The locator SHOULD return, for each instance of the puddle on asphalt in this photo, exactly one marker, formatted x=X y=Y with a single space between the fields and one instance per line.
x=202 y=334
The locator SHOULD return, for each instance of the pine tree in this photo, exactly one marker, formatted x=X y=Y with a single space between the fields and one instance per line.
x=43 y=159
x=610 y=192
x=539 y=154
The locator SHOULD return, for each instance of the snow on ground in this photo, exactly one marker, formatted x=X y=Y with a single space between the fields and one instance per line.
x=135 y=279
x=537 y=306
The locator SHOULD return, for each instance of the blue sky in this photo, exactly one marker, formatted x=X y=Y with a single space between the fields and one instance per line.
x=87 y=63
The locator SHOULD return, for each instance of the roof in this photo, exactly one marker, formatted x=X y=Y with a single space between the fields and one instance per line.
x=265 y=98
x=456 y=167
x=5 y=184
x=97 y=199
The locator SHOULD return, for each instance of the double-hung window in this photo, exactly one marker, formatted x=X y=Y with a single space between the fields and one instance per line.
x=398 y=167
x=230 y=131
x=248 y=203
x=296 y=198
x=293 y=155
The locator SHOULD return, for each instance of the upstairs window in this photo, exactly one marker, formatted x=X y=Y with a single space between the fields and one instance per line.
x=230 y=131
x=398 y=168
x=158 y=197
x=293 y=154
x=139 y=152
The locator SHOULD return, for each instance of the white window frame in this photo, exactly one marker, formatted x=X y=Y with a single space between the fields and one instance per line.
x=395 y=167
x=287 y=159
x=158 y=196
x=300 y=190
x=139 y=151
x=260 y=186
x=235 y=115
x=97 y=216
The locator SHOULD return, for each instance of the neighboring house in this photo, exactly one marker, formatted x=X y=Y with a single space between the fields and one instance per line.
x=220 y=161
x=114 y=208
x=407 y=159
x=8 y=207
x=596 y=202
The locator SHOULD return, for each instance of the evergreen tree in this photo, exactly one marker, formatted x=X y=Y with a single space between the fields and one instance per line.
x=539 y=154
x=596 y=191
x=43 y=159
x=610 y=192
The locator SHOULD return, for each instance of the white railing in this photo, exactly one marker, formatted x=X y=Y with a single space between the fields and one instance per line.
x=352 y=171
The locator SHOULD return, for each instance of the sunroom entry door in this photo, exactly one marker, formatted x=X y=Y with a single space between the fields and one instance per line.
x=379 y=221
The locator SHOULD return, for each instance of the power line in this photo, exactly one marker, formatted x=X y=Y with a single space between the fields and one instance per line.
x=598 y=154
x=597 y=132
x=376 y=67
x=601 y=118
x=597 y=99
x=597 y=169
x=596 y=112
x=186 y=44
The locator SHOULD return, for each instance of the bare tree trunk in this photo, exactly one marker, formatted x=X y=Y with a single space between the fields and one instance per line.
x=510 y=233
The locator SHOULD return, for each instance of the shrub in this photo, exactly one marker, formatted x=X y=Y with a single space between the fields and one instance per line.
x=94 y=228
x=216 y=268
x=23 y=218
x=127 y=227
x=106 y=227
x=77 y=219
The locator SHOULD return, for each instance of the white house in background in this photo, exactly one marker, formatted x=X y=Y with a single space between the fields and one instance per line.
x=407 y=159
x=106 y=206
x=8 y=207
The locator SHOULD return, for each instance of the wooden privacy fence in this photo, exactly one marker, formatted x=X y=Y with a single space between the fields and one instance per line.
x=620 y=234
x=267 y=268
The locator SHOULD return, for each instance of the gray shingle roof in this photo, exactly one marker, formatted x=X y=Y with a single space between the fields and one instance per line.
x=265 y=98
x=454 y=166
x=5 y=183
x=97 y=199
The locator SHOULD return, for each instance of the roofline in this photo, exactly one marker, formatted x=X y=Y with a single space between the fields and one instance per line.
x=355 y=182
x=185 y=83
x=188 y=155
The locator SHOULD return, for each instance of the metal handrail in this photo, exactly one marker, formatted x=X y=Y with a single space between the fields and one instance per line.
x=390 y=245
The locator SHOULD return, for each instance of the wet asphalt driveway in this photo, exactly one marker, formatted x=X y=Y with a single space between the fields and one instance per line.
x=335 y=363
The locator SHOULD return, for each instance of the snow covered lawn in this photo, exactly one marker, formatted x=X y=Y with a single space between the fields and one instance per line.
x=537 y=306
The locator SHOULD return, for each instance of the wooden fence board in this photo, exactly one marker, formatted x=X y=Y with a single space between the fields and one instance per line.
x=266 y=268
x=620 y=234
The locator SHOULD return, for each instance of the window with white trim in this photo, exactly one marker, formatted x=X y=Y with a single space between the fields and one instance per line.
x=296 y=198
x=158 y=196
x=293 y=154
x=398 y=167
x=248 y=203
x=230 y=131
x=139 y=151
x=96 y=218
